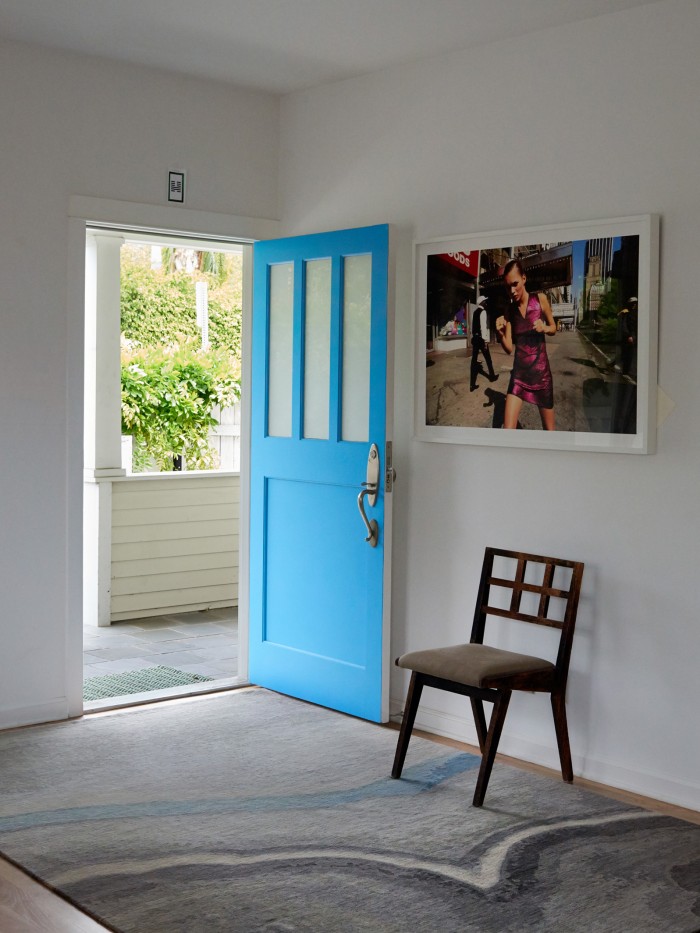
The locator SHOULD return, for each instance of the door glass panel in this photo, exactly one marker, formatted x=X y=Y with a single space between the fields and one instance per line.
x=317 y=346
x=279 y=389
x=357 y=279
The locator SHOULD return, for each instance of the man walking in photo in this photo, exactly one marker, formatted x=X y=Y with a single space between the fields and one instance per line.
x=480 y=343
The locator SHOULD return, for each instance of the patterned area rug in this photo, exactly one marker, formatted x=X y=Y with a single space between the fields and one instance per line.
x=151 y=678
x=250 y=812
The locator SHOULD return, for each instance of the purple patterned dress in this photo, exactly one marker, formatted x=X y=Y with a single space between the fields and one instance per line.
x=531 y=378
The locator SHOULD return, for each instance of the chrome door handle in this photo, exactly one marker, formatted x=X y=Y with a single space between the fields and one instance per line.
x=369 y=489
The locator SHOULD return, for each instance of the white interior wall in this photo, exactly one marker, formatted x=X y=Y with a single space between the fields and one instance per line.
x=595 y=120
x=74 y=126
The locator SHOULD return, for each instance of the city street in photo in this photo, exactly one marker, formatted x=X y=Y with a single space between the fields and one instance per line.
x=541 y=334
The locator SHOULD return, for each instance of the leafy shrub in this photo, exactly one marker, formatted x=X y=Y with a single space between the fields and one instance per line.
x=157 y=307
x=169 y=385
x=167 y=397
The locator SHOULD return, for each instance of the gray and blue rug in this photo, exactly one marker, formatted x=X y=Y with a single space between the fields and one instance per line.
x=254 y=813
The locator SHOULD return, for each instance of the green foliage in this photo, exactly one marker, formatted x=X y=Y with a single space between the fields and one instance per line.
x=169 y=385
x=167 y=397
x=609 y=304
x=607 y=334
x=157 y=307
x=604 y=334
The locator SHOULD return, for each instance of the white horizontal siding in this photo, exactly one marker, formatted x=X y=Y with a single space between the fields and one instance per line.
x=183 y=563
x=172 y=547
x=153 y=497
x=162 y=602
x=162 y=481
x=175 y=531
x=125 y=615
x=174 y=544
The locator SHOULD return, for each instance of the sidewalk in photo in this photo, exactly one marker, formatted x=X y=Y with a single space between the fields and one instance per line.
x=587 y=388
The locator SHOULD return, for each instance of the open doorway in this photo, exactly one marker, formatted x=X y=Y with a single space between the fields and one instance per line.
x=162 y=465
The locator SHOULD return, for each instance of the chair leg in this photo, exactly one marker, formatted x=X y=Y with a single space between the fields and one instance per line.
x=562 y=731
x=415 y=689
x=479 y=721
x=500 y=708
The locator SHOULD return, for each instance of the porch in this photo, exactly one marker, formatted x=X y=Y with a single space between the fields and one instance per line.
x=203 y=643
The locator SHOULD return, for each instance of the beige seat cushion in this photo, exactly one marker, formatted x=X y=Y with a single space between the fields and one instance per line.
x=471 y=664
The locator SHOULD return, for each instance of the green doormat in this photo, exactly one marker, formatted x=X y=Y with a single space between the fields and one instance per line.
x=151 y=678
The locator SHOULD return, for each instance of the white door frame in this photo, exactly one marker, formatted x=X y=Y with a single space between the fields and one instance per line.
x=84 y=211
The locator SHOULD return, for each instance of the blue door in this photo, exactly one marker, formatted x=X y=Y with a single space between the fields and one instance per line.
x=319 y=569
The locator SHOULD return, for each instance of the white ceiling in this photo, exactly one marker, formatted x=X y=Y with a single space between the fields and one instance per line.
x=283 y=45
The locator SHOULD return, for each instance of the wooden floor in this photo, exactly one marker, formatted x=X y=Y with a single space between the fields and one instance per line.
x=26 y=906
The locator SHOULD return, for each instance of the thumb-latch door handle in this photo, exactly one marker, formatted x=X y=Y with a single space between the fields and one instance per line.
x=369 y=489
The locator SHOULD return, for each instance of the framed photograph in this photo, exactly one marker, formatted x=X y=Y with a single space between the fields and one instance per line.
x=540 y=337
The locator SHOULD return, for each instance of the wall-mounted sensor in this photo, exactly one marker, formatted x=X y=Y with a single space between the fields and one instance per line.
x=176 y=187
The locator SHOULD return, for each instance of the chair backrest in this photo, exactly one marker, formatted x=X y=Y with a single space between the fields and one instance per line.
x=546 y=604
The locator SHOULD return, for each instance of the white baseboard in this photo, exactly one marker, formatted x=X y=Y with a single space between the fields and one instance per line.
x=647 y=784
x=51 y=711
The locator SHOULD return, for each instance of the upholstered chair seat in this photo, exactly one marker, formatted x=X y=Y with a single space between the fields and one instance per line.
x=475 y=665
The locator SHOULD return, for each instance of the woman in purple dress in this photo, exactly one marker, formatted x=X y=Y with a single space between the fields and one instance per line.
x=524 y=328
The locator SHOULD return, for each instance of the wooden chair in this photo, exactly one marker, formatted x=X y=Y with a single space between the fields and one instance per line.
x=484 y=673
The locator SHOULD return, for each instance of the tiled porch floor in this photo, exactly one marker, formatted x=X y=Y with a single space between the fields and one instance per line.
x=196 y=642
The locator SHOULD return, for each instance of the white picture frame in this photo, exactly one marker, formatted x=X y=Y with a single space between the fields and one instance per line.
x=604 y=380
